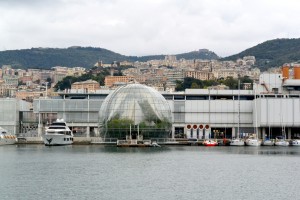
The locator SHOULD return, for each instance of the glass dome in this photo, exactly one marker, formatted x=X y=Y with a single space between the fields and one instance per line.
x=136 y=111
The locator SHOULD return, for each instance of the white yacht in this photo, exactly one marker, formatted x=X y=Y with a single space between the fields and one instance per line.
x=280 y=141
x=268 y=142
x=58 y=133
x=6 y=138
x=253 y=139
x=237 y=142
x=253 y=142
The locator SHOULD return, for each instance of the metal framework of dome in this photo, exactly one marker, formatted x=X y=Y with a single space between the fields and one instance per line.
x=135 y=111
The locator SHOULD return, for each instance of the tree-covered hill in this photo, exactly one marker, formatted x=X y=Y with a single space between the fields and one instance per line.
x=204 y=54
x=45 y=58
x=272 y=53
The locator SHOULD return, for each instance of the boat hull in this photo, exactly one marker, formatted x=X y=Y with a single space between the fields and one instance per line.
x=282 y=143
x=296 y=143
x=57 y=139
x=253 y=142
x=268 y=143
x=237 y=142
x=210 y=143
x=6 y=141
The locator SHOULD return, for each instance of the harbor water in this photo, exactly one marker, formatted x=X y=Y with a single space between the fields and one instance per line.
x=171 y=172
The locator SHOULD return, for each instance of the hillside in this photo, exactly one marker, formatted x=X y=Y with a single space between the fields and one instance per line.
x=45 y=58
x=272 y=53
x=200 y=54
x=50 y=57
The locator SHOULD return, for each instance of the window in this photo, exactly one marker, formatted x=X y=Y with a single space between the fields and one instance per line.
x=179 y=97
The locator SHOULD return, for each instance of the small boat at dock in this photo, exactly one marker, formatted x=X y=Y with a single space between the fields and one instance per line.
x=253 y=141
x=210 y=143
x=237 y=142
x=296 y=142
x=268 y=142
x=6 y=138
x=280 y=141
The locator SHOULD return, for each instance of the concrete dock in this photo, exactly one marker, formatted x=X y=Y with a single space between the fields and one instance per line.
x=98 y=141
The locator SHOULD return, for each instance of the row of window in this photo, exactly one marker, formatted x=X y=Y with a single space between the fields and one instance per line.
x=212 y=97
x=224 y=97
x=68 y=139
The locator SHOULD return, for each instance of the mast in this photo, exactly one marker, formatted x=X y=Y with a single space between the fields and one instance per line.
x=130 y=131
x=255 y=107
x=238 y=135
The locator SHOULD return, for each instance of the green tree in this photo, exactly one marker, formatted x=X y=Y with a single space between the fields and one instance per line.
x=231 y=82
x=49 y=80
x=69 y=80
x=195 y=85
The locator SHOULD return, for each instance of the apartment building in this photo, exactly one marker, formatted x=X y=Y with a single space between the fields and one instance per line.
x=201 y=75
x=89 y=85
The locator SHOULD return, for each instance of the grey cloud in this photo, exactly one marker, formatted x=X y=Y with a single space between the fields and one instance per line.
x=134 y=27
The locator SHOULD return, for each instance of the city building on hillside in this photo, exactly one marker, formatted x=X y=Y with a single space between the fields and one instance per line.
x=58 y=76
x=111 y=80
x=126 y=63
x=98 y=64
x=170 y=58
x=250 y=60
x=76 y=71
x=7 y=70
x=224 y=73
x=7 y=90
x=89 y=85
x=29 y=95
x=200 y=75
x=11 y=80
x=174 y=75
x=25 y=79
x=45 y=75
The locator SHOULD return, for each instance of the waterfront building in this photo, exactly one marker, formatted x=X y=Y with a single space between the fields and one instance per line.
x=10 y=110
x=135 y=112
x=196 y=113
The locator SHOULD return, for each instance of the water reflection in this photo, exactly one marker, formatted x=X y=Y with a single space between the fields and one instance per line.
x=169 y=172
x=263 y=150
x=113 y=149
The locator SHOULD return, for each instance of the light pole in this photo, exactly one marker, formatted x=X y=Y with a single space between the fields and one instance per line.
x=46 y=89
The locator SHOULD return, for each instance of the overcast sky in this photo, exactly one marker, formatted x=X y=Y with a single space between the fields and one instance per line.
x=147 y=27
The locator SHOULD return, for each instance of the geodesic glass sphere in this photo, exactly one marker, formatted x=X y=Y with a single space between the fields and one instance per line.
x=137 y=111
